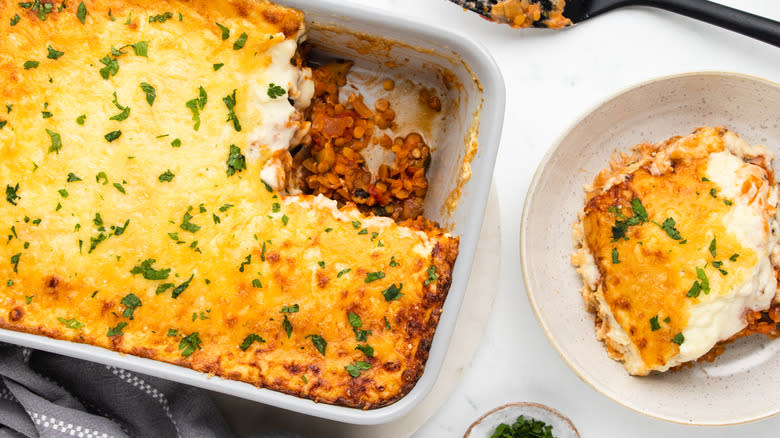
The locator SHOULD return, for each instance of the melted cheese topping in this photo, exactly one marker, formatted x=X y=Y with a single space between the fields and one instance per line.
x=652 y=315
x=165 y=242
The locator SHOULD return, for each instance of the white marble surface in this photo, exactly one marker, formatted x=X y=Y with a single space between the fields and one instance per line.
x=552 y=77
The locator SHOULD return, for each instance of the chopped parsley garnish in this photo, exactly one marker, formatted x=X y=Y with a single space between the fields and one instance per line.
x=151 y=93
x=363 y=231
x=713 y=247
x=3 y=123
x=654 y=325
x=319 y=343
x=116 y=331
x=393 y=263
x=15 y=19
x=56 y=141
x=72 y=323
x=727 y=202
x=173 y=332
x=63 y=193
x=615 y=256
x=120 y=187
x=695 y=290
x=30 y=64
x=287 y=325
x=42 y=8
x=342 y=272
x=163 y=287
x=431 y=275
x=275 y=91
x=190 y=344
x=276 y=207
x=121 y=116
x=110 y=66
x=387 y=324
x=285 y=219
x=141 y=48
x=182 y=287
x=393 y=292
x=374 y=276
x=639 y=210
x=230 y=103
x=240 y=42
x=668 y=226
x=12 y=194
x=705 y=283
x=366 y=349
x=196 y=106
x=733 y=257
x=161 y=18
x=218 y=66
x=72 y=177
x=322 y=264
x=256 y=283
x=131 y=302
x=81 y=12
x=15 y=261
x=54 y=53
x=186 y=225
x=523 y=428
x=81 y=119
x=225 y=31
x=355 y=369
x=290 y=309
x=113 y=135
x=236 y=161
x=247 y=261
x=225 y=208
x=678 y=338
x=249 y=340
x=101 y=176
x=216 y=218
x=28 y=299
x=167 y=176
x=148 y=272
x=713 y=193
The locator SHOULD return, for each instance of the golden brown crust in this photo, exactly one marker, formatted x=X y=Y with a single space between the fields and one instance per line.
x=252 y=253
x=641 y=305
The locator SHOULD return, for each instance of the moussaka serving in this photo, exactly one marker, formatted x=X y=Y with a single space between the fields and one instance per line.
x=677 y=246
x=144 y=156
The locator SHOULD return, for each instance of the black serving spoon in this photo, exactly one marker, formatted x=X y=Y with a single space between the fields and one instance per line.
x=577 y=11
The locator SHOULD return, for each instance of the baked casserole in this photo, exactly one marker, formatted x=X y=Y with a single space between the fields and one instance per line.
x=678 y=250
x=150 y=204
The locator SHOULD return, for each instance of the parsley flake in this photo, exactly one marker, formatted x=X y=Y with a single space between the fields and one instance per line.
x=148 y=272
x=678 y=338
x=131 y=302
x=654 y=325
x=713 y=247
x=190 y=344
x=12 y=194
x=355 y=369
x=81 y=12
x=225 y=31
x=56 y=141
x=236 y=161
x=72 y=323
x=240 y=42
x=319 y=343
x=249 y=340
x=113 y=135
x=230 y=103
x=431 y=275
x=182 y=287
x=151 y=93
x=167 y=176
x=30 y=64
x=116 y=331
x=374 y=276
x=54 y=53
x=393 y=292
x=275 y=91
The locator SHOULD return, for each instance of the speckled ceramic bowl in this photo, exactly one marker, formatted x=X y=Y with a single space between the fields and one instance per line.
x=739 y=386
x=484 y=427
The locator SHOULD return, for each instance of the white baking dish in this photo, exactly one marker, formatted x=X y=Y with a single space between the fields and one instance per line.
x=423 y=54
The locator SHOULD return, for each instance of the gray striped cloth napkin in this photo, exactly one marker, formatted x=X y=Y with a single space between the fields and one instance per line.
x=47 y=395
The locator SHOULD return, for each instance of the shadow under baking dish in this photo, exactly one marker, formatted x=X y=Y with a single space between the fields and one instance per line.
x=383 y=44
x=735 y=388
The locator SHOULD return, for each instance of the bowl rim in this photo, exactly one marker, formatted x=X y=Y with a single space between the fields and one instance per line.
x=530 y=196
x=555 y=412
